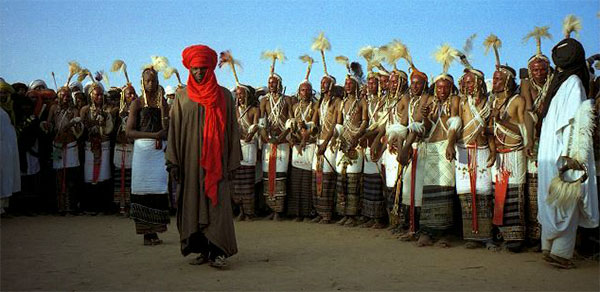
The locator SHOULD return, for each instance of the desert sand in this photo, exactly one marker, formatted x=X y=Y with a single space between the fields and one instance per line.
x=104 y=253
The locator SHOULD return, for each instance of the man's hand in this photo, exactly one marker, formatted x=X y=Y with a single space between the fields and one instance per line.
x=174 y=172
x=404 y=156
x=491 y=159
x=161 y=135
x=529 y=151
x=321 y=150
x=450 y=153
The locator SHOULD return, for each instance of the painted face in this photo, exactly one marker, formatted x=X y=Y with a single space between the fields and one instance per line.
x=417 y=85
x=325 y=85
x=150 y=80
x=350 y=86
x=97 y=95
x=384 y=82
x=305 y=91
x=394 y=81
x=469 y=83
x=242 y=95
x=273 y=84
x=64 y=96
x=443 y=88
x=539 y=71
x=130 y=94
x=372 y=85
x=498 y=82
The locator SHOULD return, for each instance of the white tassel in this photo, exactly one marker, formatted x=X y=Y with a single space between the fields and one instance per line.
x=396 y=131
x=582 y=132
x=262 y=123
x=563 y=194
x=455 y=123
x=417 y=127
x=288 y=124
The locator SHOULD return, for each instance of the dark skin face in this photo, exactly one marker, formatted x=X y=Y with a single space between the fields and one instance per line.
x=305 y=91
x=150 y=81
x=80 y=98
x=241 y=94
x=64 y=97
x=198 y=73
x=97 y=96
x=443 y=88
x=273 y=85
x=4 y=96
x=469 y=83
x=385 y=82
x=498 y=82
x=325 y=85
x=372 y=85
x=539 y=71
x=350 y=86
x=417 y=84
x=130 y=94
x=394 y=81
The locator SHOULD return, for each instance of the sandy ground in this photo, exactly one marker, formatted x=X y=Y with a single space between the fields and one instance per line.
x=103 y=253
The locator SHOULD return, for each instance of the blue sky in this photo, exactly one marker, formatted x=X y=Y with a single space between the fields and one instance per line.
x=38 y=37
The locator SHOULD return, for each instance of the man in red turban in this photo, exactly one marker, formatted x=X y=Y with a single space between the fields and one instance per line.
x=203 y=151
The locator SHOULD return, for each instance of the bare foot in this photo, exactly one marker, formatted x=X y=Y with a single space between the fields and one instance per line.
x=473 y=245
x=270 y=217
x=316 y=219
x=276 y=217
x=367 y=224
x=324 y=221
x=350 y=222
x=424 y=240
x=443 y=243
x=342 y=221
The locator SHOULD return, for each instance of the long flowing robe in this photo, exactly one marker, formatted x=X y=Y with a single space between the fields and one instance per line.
x=195 y=211
x=10 y=169
x=559 y=226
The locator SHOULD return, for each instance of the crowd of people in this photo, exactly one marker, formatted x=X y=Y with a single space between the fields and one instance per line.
x=507 y=164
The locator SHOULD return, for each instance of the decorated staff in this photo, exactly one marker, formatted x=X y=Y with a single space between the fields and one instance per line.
x=247 y=116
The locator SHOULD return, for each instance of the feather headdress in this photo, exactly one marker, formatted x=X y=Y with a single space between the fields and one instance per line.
x=321 y=44
x=538 y=33
x=378 y=58
x=84 y=73
x=396 y=50
x=74 y=68
x=368 y=54
x=571 y=23
x=167 y=73
x=445 y=55
x=159 y=64
x=344 y=61
x=466 y=52
x=226 y=57
x=273 y=56
x=119 y=65
x=492 y=41
x=102 y=76
x=307 y=59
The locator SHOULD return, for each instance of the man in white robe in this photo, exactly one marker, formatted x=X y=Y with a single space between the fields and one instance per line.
x=566 y=131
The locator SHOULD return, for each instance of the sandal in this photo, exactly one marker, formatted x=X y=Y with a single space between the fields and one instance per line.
x=443 y=243
x=199 y=260
x=561 y=263
x=220 y=263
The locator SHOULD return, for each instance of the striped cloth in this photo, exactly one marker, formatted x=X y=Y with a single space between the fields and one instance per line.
x=150 y=212
x=243 y=195
x=373 y=203
x=122 y=198
x=484 y=216
x=276 y=202
x=299 y=199
x=348 y=195
x=437 y=210
x=324 y=203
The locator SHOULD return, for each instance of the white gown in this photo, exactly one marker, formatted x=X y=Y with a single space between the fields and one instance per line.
x=10 y=168
x=560 y=225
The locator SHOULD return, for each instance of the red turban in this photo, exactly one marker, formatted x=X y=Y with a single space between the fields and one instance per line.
x=209 y=94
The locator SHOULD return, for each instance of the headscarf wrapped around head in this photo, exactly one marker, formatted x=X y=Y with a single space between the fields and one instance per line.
x=569 y=57
x=209 y=94
x=36 y=83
